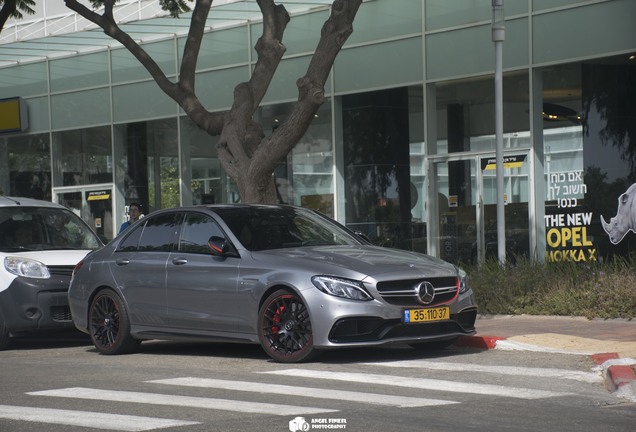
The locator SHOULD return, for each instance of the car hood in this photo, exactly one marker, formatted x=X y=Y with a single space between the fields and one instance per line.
x=364 y=259
x=66 y=257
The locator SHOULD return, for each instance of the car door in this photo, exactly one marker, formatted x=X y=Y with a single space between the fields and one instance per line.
x=139 y=268
x=202 y=287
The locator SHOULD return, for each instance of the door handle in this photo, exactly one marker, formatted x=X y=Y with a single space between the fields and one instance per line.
x=179 y=261
x=122 y=262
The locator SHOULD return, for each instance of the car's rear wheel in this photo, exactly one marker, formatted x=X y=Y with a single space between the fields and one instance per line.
x=284 y=328
x=110 y=325
x=4 y=334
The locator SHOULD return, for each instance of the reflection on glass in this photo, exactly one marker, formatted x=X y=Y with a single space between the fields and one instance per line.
x=83 y=156
x=465 y=113
x=25 y=166
x=378 y=188
x=305 y=178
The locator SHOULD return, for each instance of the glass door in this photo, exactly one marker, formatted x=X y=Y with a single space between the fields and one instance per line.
x=464 y=217
x=516 y=195
x=455 y=212
x=94 y=204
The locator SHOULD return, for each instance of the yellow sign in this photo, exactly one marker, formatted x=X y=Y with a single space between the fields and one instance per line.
x=13 y=115
x=97 y=195
x=509 y=162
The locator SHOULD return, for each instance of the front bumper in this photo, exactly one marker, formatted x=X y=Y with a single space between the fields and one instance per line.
x=31 y=305
x=341 y=323
x=373 y=330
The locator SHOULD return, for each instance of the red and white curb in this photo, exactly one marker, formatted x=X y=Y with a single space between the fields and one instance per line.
x=619 y=374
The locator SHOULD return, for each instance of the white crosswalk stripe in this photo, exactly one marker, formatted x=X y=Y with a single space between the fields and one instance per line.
x=97 y=420
x=421 y=383
x=186 y=401
x=590 y=377
x=320 y=393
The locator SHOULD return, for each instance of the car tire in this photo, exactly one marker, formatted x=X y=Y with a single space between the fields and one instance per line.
x=4 y=334
x=284 y=328
x=109 y=325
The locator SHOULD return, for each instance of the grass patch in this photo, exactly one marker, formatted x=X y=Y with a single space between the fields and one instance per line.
x=592 y=290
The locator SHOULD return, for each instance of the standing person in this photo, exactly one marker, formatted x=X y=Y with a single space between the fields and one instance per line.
x=134 y=212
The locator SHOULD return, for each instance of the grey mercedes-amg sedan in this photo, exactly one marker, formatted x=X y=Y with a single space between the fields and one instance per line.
x=286 y=277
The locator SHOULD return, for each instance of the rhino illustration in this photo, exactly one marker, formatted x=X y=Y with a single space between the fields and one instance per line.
x=625 y=219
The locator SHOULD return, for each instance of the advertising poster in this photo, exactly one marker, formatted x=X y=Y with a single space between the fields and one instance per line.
x=590 y=164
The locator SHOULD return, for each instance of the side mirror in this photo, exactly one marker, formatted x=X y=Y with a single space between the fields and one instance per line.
x=219 y=246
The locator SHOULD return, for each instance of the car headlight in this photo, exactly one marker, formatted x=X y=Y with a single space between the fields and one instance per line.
x=20 y=266
x=462 y=280
x=345 y=288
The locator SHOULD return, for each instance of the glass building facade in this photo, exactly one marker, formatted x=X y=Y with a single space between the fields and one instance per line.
x=402 y=150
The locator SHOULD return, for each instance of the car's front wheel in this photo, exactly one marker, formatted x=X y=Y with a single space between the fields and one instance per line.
x=284 y=328
x=110 y=325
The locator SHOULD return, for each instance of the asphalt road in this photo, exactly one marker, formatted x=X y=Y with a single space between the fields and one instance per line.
x=66 y=386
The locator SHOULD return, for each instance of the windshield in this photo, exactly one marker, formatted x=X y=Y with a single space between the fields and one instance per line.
x=263 y=228
x=43 y=228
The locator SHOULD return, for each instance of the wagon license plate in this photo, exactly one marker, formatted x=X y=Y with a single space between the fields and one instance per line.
x=427 y=315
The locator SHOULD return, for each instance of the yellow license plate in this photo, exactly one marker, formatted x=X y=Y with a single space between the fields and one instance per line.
x=426 y=315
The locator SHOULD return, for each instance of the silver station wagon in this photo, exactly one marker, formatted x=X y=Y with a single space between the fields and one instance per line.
x=286 y=277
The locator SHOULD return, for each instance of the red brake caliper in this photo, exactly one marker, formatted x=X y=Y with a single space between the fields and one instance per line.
x=276 y=318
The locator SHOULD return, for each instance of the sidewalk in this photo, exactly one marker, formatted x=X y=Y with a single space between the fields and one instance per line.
x=610 y=343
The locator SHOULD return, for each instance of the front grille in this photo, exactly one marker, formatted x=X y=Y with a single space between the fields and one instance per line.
x=61 y=270
x=403 y=292
x=369 y=329
x=61 y=314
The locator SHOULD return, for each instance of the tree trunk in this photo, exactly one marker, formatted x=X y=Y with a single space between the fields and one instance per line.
x=258 y=191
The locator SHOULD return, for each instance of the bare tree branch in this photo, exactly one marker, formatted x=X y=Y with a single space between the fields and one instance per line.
x=334 y=34
x=193 y=44
x=241 y=135
x=110 y=27
x=182 y=94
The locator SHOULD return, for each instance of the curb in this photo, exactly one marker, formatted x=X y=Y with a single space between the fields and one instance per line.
x=619 y=375
x=480 y=342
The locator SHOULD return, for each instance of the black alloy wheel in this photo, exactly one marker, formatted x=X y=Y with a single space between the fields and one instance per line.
x=110 y=325
x=284 y=328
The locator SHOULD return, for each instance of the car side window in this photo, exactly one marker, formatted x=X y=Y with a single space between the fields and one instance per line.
x=157 y=234
x=197 y=229
x=131 y=242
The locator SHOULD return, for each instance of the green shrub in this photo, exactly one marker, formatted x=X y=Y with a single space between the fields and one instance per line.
x=596 y=290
